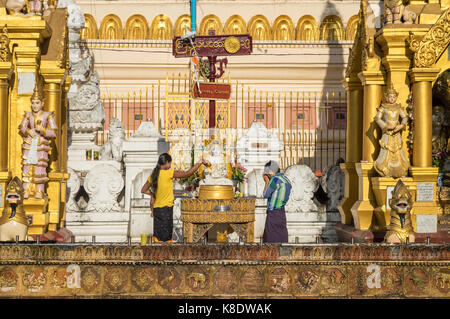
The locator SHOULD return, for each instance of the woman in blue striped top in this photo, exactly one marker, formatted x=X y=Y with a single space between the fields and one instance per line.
x=277 y=191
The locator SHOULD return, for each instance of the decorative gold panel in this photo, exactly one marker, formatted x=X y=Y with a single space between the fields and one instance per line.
x=90 y=28
x=136 y=28
x=331 y=29
x=307 y=29
x=235 y=25
x=210 y=22
x=283 y=28
x=184 y=20
x=259 y=28
x=161 y=28
x=111 y=28
x=352 y=26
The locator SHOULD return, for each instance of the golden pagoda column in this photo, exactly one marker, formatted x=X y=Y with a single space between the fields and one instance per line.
x=421 y=169
x=362 y=210
x=353 y=147
x=54 y=78
x=5 y=174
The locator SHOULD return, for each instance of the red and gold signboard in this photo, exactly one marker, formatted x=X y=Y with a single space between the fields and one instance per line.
x=213 y=45
x=213 y=91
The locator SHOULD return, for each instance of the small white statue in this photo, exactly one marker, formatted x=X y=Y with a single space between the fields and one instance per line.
x=216 y=173
x=112 y=150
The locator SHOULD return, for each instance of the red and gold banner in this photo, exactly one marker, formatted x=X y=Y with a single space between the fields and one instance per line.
x=213 y=45
x=212 y=91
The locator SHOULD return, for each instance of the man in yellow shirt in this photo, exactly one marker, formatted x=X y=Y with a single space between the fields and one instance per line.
x=159 y=186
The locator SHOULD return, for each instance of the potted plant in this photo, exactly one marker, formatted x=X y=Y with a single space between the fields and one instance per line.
x=238 y=174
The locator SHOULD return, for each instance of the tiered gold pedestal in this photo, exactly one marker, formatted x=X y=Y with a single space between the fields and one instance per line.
x=37 y=209
x=198 y=216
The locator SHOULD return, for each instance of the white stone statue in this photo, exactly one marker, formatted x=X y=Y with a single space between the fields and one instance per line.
x=72 y=187
x=255 y=184
x=333 y=183
x=147 y=129
x=217 y=172
x=103 y=183
x=112 y=149
x=304 y=184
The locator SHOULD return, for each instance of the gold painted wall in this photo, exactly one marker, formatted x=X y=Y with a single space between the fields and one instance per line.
x=283 y=28
x=161 y=28
x=211 y=22
x=307 y=29
x=136 y=28
x=111 y=28
x=235 y=25
x=90 y=28
x=331 y=29
x=259 y=28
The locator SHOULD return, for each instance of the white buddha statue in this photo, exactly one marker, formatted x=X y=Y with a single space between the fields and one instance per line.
x=216 y=173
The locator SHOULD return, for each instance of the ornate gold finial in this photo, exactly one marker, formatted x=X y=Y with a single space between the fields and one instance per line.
x=37 y=94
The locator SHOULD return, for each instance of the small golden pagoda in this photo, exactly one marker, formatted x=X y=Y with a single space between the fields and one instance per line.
x=404 y=53
x=34 y=51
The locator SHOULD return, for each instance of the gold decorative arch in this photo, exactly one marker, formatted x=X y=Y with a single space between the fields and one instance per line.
x=161 y=28
x=331 y=28
x=283 y=28
x=111 y=28
x=307 y=29
x=235 y=25
x=210 y=22
x=352 y=26
x=259 y=28
x=184 y=20
x=136 y=27
x=90 y=27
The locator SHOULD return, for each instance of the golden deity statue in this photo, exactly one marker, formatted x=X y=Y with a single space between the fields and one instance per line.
x=391 y=161
x=400 y=227
x=37 y=128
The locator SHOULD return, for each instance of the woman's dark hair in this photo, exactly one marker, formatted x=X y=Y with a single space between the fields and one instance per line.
x=162 y=159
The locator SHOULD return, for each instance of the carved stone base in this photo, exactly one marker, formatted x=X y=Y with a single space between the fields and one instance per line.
x=193 y=232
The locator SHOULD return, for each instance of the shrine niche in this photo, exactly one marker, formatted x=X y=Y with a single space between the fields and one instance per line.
x=136 y=28
x=352 y=25
x=161 y=28
x=307 y=29
x=90 y=28
x=331 y=29
x=235 y=25
x=111 y=28
x=210 y=22
x=259 y=28
x=182 y=21
x=283 y=28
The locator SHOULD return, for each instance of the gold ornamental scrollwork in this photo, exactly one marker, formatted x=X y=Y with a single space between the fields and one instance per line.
x=232 y=44
x=5 y=53
x=434 y=42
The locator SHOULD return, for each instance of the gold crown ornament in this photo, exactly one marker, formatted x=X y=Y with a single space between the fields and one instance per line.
x=37 y=94
x=390 y=90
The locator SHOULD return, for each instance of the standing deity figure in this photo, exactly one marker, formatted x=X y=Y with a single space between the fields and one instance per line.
x=391 y=161
x=37 y=128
